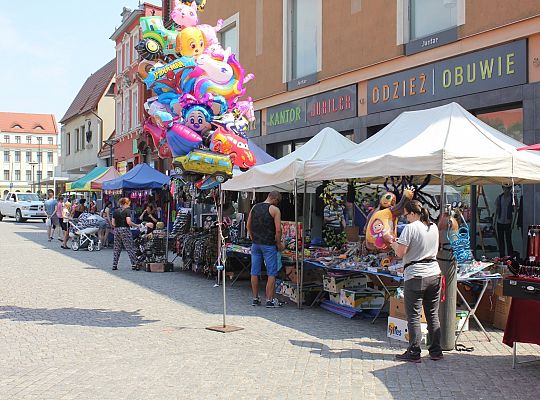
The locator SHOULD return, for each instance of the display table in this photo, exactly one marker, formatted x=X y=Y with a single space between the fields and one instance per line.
x=242 y=255
x=522 y=326
x=485 y=280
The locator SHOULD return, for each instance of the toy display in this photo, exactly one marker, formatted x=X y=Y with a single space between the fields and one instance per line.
x=198 y=106
x=382 y=222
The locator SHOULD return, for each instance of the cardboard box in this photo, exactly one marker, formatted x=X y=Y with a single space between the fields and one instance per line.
x=398 y=329
x=334 y=284
x=159 y=267
x=502 y=308
x=461 y=315
x=334 y=297
x=362 y=298
x=397 y=309
x=310 y=275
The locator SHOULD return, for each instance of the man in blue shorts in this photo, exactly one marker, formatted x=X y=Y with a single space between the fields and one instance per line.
x=264 y=228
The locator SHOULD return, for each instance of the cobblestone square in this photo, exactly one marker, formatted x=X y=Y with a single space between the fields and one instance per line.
x=70 y=328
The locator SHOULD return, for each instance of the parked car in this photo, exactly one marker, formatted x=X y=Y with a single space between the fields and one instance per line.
x=200 y=162
x=22 y=206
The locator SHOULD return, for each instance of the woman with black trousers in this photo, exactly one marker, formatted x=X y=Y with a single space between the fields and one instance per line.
x=121 y=222
x=418 y=245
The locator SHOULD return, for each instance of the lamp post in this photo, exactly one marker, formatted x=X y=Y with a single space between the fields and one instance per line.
x=33 y=164
x=40 y=162
x=110 y=143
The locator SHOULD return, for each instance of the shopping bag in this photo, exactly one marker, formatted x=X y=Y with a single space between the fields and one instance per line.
x=48 y=222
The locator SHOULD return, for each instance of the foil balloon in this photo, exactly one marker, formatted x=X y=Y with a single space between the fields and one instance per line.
x=200 y=84
x=228 y=143
x=182 y=140
x=159 y=138
x=382 y=222
x=233 y=122
x=169 y=77
x=186 y=16
x=190 y=42
x=157 y=41
x=200 y=3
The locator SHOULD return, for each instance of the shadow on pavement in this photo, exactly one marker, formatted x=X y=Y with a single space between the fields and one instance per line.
x=75 y=316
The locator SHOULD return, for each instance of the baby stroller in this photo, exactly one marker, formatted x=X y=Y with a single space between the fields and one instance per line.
x=83 y=233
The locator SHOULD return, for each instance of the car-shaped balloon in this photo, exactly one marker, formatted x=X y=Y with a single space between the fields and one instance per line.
x=201 y=162
x=229 y=143
x=156 y=39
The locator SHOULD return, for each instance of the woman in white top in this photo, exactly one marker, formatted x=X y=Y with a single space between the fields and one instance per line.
x=418 y=245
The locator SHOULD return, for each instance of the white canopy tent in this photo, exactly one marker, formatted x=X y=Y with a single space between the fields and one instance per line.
x=443 y=141
x=280 y=174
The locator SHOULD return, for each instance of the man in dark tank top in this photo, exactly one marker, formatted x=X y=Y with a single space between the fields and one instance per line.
x=264 y=228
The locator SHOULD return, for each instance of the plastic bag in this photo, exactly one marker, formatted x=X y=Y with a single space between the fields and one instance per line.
x=48 y=222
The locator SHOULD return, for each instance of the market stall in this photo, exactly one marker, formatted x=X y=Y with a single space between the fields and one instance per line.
x=438 y=146
x=84 y=184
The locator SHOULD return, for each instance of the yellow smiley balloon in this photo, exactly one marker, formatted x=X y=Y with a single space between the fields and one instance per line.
x=190 y=42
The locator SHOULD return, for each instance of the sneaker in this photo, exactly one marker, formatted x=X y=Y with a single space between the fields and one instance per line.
x=49 y=239
x=436 y=356
x=273 y=303
x=408 y=356
x=256 y=302
x=114 y=268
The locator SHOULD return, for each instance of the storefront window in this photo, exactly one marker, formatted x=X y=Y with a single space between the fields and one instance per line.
x=497 y=212
x=278 y=150
x=431 y=16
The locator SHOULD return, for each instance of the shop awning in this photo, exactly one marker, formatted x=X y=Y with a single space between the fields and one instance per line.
x=111 y=174
x=142 y=176
x=84 y=184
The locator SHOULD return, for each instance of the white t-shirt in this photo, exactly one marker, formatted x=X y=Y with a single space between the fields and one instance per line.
x=422 y=242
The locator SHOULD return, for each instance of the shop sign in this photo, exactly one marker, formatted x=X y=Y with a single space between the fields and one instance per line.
x=332 y=106
x=484 y=70
x=302 y=82
x=431 y=41
x=255 y=126
x=286 y=116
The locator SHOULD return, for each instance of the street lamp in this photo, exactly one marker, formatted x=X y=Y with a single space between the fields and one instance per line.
x=110 y=143
x=33 y=164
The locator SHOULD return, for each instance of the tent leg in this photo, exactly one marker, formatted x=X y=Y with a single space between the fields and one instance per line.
x=303 y=237
x=447 y=310
x=298 y=287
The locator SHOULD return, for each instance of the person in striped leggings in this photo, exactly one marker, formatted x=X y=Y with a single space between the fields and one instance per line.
x=121 y=222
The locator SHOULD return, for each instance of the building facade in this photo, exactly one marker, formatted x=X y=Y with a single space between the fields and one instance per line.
x=88 y=122
x=29 y=151
x=356 y=65
x=132 y=144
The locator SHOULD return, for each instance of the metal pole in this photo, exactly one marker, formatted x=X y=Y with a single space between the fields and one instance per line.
x=221 y=260
x=303 y=236
x=298 y=278
x=447 y=263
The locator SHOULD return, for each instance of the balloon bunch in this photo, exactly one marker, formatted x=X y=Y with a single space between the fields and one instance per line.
x=196 y=115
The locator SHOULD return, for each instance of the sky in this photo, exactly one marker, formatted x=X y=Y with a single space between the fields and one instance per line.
x=50 y=47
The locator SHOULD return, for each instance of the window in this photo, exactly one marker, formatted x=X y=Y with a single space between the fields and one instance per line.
x=509 y=122
x=17 y=139
x=40 y=140
x=28 y=156
x=39 y=157
x=135 y=107
x=49 y=174
x=28 y=175
x=83 y=138
x=304 y=37
x=50 y=157
x=229 y=34
x=136 y=39
x=118 y=60
x=39 y=176
x=6 y=138
x=68 y=144
x=17 y=156
x=17 y=174
x=6 y=174
x=431 y=16
x=127 y=50
x=50 y=140
x=29 y=139
x=6 y=156
x=119 y=117
x=77 y=140
x=125 y=112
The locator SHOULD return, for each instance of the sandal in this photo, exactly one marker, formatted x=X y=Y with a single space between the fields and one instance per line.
x=64 y=247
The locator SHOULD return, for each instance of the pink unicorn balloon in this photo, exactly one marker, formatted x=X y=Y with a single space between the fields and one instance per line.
x=185 y=16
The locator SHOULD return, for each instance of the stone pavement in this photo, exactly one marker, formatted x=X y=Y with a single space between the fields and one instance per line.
x=70 y=328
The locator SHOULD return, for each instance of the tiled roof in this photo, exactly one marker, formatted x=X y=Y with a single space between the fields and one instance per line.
x=88 y=97
x=27 y=123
